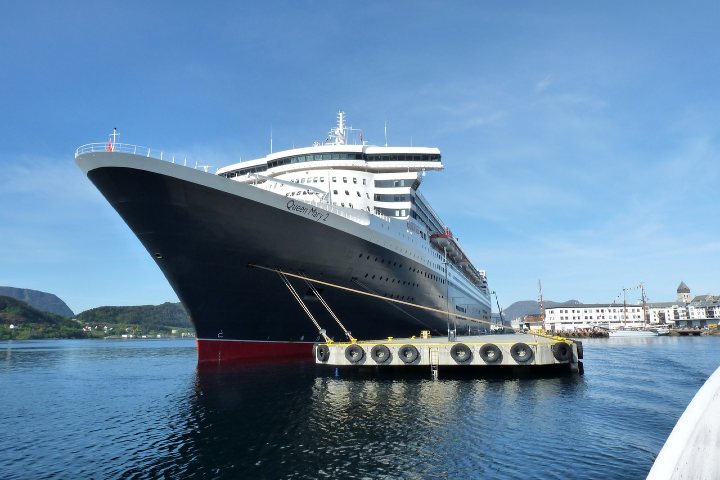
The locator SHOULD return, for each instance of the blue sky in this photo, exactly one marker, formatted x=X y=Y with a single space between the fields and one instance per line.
x=581 y=140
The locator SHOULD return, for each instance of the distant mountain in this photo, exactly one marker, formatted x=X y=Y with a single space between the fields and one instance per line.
x=531 y=307
x=15 y=311
x=45 y=302
x=150 y=316
x=29 y=322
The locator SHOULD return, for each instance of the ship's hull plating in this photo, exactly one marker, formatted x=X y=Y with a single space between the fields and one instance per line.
x=205 y=240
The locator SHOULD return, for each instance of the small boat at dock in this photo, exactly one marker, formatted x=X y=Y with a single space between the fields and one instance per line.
x=632 y=333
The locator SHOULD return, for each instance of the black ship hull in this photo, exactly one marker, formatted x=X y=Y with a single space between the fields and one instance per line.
x=206 y=241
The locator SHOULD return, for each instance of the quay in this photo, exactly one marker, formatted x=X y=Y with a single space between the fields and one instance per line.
x=500 y=353
x=686 y=332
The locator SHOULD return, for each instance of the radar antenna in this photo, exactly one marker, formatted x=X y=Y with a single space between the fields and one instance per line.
x=336 y=136
x=342 y=134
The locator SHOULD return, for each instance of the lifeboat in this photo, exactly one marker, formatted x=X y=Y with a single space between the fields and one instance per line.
x=445 y=242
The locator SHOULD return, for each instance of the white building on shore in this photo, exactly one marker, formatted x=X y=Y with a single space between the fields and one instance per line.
x=586 y=316
x=701 y=311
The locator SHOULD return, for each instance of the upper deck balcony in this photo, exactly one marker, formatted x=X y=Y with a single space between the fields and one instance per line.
x=370 y=158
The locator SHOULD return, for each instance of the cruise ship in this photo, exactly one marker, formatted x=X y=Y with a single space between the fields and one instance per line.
x=270 y=255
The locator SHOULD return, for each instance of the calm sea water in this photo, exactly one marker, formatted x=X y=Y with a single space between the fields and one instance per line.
x=142 y=409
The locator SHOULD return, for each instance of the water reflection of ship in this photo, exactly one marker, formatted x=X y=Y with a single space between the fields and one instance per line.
x=293 y=420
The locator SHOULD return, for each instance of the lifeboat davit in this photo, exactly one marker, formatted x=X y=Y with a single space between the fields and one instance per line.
x=447 y=243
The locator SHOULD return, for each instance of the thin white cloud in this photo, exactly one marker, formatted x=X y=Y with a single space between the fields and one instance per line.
x=543 y=84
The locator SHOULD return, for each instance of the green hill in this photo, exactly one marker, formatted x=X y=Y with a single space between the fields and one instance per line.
x=43 y=301
x=29 y=322
x=147 y=316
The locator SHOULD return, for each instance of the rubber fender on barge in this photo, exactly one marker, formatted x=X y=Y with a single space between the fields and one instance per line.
x=408 y=353
x=579 y=345
x=522 y=353
x=323 y=353
x=381 y=354
x=562 y=352
x=461 y=353
x=491 y=354
x=354 y=353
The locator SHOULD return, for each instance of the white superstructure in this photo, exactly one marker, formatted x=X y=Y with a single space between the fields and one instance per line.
x=377 y=186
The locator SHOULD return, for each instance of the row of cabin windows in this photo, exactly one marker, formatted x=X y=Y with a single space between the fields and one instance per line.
x=391 y=212
x=244 y=171
x=393 y=198
x=332 y=156
x=345 y=180
x=318 y=157
x=402 y=158
x=412 y=269
x=347 y=192
x=406 y=182
x=309 y=180
x=322 y=180
x=300 y=192
x=421 y=216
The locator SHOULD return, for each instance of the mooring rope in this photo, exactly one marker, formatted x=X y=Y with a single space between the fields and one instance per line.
x=368 y=294
x=332 y=314
x=304 y=307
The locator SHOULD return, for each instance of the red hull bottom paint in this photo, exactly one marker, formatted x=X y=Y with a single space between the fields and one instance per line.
x=217 y=351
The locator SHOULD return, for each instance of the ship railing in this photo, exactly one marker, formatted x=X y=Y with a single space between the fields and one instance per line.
x=357 y=216
x=137 y=150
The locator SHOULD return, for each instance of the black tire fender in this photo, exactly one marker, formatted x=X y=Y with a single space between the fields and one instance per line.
x=579 y=349
x=461 y=353
x=322 y=353
x=562 y=351
x=522 y=353
x=408 y=353
x=491 y=354
x=354 y=353
x=381 y=354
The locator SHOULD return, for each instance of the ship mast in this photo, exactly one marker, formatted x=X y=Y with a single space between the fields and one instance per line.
x=542 y=306
x=646 y=316
x=624 y=307
x=336 y=136
x=342 y=134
